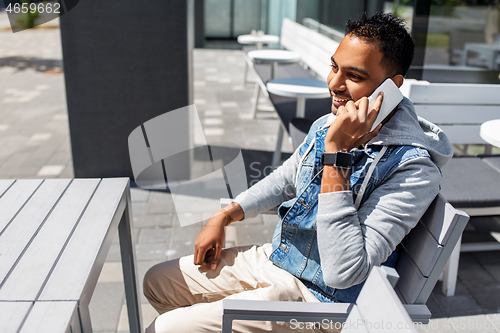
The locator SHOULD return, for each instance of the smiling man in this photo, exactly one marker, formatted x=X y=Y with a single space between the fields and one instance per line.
x=347 y=198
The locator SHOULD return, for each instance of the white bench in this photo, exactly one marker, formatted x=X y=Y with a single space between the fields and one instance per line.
x=366 y=315
x=458 y=109
x=369 y=316
x=315 y=51
x=469 y=183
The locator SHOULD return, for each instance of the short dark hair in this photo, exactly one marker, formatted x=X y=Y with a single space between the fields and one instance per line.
x=390 y=34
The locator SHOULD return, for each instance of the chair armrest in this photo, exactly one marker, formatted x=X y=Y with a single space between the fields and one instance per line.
x=234 y=309
x=284 y=311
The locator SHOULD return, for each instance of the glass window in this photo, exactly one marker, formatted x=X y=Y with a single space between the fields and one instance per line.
x=246 y=16
x=463 y=37
x=218 y=18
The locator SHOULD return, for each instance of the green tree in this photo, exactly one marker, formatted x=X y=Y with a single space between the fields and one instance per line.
x=398 y=7
x=27 y=20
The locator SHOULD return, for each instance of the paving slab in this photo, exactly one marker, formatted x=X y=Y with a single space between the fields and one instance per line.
x=154 y=235
x=153 y=220
x=104 y=312
x=462 y=303
x=486 y=297
x=472 y=324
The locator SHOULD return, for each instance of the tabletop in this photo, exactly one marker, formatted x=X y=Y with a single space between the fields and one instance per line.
x=490 y=132
x=54 y=238
x=253 y=39
x=274 y=55
x=299 y=88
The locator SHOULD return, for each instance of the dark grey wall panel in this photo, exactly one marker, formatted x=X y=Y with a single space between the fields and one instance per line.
x=125 y=62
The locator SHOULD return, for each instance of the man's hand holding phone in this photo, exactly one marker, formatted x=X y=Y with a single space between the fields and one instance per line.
x=350 y=128
x=353 y=124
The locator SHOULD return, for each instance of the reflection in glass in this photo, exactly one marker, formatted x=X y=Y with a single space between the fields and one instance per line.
x=464 y=33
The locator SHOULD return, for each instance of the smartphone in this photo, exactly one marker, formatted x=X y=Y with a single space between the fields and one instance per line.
x=392 y=97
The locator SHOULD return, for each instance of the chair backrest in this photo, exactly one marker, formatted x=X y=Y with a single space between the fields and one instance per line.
x=298 y=129
x=378 y=308
x=458 y=109
x=314 y=48
x=426 y=249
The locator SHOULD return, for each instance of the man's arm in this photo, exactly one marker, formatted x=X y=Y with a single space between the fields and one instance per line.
x=350 y=242
x=266 y=194
x=271 y=191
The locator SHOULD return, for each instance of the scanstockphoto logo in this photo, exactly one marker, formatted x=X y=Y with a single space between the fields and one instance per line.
x=170 y=152
x=27 y=14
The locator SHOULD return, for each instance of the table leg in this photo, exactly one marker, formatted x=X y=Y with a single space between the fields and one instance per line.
x=463 y=61
x=301 y=107
x=128 y=266
x=277 y=151
x=255 y=103
x=76 y=323
x=258 y=46
x=274 y=69
x=84 y=314
x=245 y=74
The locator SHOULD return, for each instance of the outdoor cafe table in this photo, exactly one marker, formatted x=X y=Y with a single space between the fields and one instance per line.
x=274 y=57
x=490 y=132
x=258 y=40
x=54 y=238
x=301 y=89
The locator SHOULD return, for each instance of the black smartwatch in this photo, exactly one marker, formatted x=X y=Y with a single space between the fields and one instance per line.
x=339 y=160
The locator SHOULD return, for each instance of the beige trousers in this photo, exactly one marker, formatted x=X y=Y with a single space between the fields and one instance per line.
x=189 y=297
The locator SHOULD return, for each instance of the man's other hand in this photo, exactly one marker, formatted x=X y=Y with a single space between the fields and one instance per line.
x=210 y=242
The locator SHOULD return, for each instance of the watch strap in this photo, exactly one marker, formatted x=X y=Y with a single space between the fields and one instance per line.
x=339 y=159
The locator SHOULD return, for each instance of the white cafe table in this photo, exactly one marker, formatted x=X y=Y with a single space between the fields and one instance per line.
x=490 y=132
x=301 y=89
x=258 y=40
x=54 y=238
x=274 y=57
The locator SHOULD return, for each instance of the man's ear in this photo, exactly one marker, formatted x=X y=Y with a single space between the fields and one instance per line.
x=398 y=80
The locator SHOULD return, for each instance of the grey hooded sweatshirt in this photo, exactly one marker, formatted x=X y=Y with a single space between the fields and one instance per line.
x=351 y=241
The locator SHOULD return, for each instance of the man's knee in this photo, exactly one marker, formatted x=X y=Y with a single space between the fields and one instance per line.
x=151 y=279
x=159 y=283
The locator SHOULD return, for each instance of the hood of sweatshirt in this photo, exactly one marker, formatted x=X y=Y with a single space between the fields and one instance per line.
x=406 y=128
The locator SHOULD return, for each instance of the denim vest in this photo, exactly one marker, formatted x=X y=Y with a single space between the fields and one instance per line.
x=295 y=247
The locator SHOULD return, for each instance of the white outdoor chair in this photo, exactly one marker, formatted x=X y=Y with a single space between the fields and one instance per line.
x=423 y=254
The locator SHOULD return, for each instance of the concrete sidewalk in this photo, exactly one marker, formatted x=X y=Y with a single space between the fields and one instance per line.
x=34 y=141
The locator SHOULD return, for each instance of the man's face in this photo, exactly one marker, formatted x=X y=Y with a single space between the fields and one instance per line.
x=356 y=71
